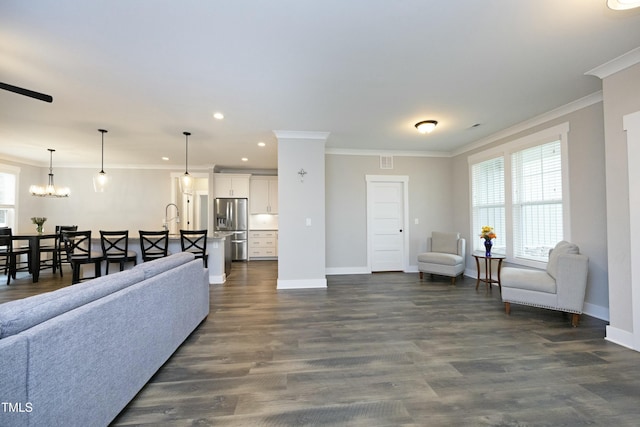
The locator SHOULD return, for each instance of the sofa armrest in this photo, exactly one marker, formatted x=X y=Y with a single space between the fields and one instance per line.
x=571 y=281
x=462 y=247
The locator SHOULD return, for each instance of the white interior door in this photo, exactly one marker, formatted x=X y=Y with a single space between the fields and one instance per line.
x=386 y=225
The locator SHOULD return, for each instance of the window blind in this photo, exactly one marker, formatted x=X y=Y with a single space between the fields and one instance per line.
x=536 y=200
x=488 y=201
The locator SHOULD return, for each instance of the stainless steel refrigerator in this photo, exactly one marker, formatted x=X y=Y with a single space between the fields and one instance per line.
x=231 y=215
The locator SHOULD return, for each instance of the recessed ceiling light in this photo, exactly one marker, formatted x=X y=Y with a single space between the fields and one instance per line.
x=623 y=4
x=218 y=116
x=244 y=159
x=261 y=144
x=165 y=158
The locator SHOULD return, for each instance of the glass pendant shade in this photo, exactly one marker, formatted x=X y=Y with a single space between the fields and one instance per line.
x=186 y=180
x=186 y=184
x=49 y=190
x=100 y=182
x=101 y=179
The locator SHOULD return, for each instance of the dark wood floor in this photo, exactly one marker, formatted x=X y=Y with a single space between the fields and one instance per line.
x=382 y=350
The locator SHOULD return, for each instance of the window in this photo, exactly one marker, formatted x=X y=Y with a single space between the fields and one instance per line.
x=487 y=182
x=520 y=190
x=537 y=200
x=8 y=187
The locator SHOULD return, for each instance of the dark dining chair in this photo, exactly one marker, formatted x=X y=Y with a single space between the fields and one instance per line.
x=61 y=254
x=115 y=248
x=154 y=244
x=77 y=245
x=11 y=254
x=195 y=241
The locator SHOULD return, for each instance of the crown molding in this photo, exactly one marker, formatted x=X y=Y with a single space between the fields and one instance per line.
x=294 y=134
x=396 y=153
x=617 y=64
x=571 y=107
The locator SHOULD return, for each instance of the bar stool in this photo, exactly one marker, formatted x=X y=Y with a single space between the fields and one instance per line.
x=154 y=244
x=10 y=254
x=195 y=241
x=77 y=245
x=115 y=248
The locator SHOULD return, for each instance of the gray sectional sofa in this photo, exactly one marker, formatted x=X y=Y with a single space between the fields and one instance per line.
x=78 y=355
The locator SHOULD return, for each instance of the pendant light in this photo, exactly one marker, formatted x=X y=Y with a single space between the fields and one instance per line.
x=101 y=180
x=49 y=190
x=186 y=180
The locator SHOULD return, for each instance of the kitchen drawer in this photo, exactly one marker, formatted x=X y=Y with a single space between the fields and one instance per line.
x=263 y=233
x=263 y=252
x=262 y=242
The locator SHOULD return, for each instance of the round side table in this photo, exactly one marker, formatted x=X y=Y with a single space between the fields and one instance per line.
x=488 y=279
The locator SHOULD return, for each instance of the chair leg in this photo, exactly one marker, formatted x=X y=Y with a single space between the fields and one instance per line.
x=575 y=318
x=507 y=308
x=96 y=269
x=76 y=274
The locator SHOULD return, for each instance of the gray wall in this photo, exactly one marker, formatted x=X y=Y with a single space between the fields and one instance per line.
x=621 y=96
x=430 y=201
x=587 y=196
x=301 y=211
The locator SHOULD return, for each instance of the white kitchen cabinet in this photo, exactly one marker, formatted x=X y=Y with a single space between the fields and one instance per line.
x=263 y=244
x=264 y=195
x=231 y=185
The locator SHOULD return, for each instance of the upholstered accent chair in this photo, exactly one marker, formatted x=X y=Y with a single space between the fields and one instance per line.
x=561 y=287
x=444 y=256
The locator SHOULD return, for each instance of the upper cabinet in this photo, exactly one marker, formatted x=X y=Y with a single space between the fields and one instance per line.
x=231 y=185
x=264 y=195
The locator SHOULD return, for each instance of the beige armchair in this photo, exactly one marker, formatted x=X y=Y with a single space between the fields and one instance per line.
x=445 y=255
x=561 y=287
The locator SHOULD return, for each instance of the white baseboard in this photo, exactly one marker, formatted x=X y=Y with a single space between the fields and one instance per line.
x=620 y=337
x=596 y=311
x=332 y=271
x=215 y=279
x=302 y=283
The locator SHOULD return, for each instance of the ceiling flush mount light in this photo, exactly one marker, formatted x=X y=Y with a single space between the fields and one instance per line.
x=101 y=180
x=623 y=4
x=186 y=181
x=49 y=190
x=426 y=126
x=218 y=116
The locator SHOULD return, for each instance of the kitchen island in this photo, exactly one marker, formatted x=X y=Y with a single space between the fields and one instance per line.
x=218 y=248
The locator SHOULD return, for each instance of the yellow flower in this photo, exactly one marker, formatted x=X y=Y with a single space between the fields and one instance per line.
x=487 y=232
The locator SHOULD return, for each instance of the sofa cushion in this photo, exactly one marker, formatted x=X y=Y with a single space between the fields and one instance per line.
x=440 y=258
x=533 y=280
x=563 y=247
x=160 y=265
x=19 y=315
x=444 y=242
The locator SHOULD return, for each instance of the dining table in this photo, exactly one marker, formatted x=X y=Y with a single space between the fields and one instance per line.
x=34 y=240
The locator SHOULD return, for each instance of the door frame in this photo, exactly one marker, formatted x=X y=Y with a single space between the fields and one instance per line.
x=376 y=179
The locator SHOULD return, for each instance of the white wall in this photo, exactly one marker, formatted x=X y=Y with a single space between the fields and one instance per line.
x=136 y=199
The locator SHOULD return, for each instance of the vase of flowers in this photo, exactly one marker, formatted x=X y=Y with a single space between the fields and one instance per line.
x=487 y=234
x=39 y=222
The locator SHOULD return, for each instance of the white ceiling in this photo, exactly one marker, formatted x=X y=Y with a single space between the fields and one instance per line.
x=364 y=70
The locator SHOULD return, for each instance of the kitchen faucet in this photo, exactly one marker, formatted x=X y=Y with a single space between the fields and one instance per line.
x=167 y=220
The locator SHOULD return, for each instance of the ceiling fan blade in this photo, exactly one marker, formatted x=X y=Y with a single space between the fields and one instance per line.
x=27 y=92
